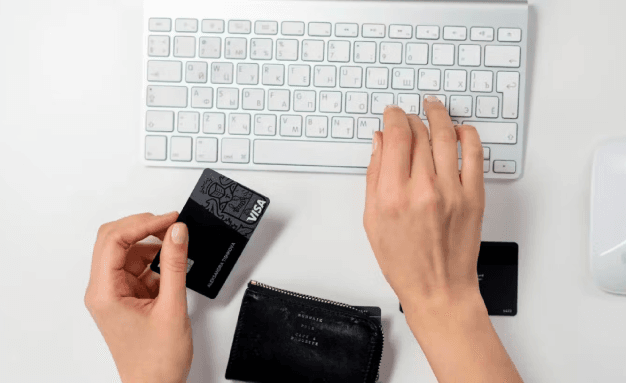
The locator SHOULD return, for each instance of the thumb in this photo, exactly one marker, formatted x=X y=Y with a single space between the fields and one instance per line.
x=172 y=289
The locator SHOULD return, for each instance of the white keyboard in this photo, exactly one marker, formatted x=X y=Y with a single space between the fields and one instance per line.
x=302 y=85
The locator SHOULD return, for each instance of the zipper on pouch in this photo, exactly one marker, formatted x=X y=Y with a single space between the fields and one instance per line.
x=378 y=348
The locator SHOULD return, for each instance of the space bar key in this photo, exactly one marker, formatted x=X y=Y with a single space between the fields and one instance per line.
x=312 y=153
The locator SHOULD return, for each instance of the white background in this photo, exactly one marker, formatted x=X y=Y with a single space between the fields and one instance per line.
x=70 y=77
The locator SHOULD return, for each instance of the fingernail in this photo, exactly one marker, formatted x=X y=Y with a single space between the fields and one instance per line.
x=391 y=106
x=375 y=142
x=170 y=213
x=180 y=233
x=430 y=98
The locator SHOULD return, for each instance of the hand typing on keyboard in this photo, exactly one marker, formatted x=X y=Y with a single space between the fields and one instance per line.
x=423 y=220
x=142 y=317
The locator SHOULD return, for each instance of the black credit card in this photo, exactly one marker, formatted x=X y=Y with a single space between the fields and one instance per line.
x=221 y=216
x=374 y=312
x=497 y=277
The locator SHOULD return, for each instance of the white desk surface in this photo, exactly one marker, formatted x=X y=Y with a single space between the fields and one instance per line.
x=69 y=113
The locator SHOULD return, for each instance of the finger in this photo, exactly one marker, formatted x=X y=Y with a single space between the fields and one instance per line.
x=443 y=139
x=120 y=235
x=139 y=256
x=152 y=281
x=422 y=163
x=172 y=291
x=396 y=154
x=373 y=170
x=472 y=175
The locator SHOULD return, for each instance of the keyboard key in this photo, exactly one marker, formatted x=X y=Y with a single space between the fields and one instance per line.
x=373 y=30
x=486 y=153
x=206 y=149
x=227 y=98
x=410 y=103
x=316 y=126
x=286 y=50
x=427 y=32
x=292 y=28
x=454 y=33
x=495 y=132
x=159 y=24
x=201 y=97
x=304 y=101
x=239 y=26
x=165 y=71
x=338 y=51
x=239 y=123
x=417 y=54
x=469 y=55
x=455 y=80
x=508 y=85
x=266 y=27
x=510 y=34
x=222 y=73
x=377 y=78
x=196 y=71
x=400 y=31
x=156 y=148
x=351 y=77
x=159 y=121
x=236 y=150
x=210 y=47
x=261 y=49
x=158 y=46
x=247 y=74
x=443 y=54
x=481 y=81
x=325 y=76
x=181 y=148
x=346 y=30
x=188 y=122
x=487 y=107
x=186 y=25
x=213 y=123
x=312 y=50
x=403 y=78
x=235 y=48
x=481 y=34
x=273 y=74
x=356 y=102
x=167 y=96
x=253 y=99
x=502 y=56
x=278 y=100
x=342 y=127
x=460 y=106
x=212 y=26
x=265 y=124
x=184 y=46
x=290 y=126
x=320 y=29
x=380 y=102
x=330 y=102
x=507 y=167
x=390 y=53
x=366 y=127
x=429 y=79
x=364 y=52
x=299 y=75
x=312 y=153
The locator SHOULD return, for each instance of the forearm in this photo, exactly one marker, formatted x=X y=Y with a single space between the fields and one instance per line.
x=459 y=341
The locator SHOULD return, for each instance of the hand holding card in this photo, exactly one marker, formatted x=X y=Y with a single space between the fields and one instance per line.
x=221 y=216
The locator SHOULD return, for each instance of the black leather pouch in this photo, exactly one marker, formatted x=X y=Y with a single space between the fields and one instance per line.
x=282 y=336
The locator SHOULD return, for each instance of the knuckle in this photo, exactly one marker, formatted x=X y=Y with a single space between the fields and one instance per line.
x=446 y=134
x=103 y=230
x=177 y=264
x=394 y=203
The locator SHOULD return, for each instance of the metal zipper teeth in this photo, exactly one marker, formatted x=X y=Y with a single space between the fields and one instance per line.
x=304 y=296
